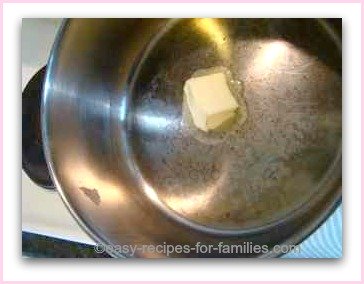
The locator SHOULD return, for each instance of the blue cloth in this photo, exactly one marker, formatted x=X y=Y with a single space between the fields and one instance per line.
x=325 y=242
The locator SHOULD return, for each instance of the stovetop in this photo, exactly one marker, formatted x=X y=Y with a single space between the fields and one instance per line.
x=43 y=211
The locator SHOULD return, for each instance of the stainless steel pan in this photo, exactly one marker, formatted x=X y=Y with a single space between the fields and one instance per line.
x=133 y=170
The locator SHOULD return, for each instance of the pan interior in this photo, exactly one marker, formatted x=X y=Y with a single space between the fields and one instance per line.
x=258 y=171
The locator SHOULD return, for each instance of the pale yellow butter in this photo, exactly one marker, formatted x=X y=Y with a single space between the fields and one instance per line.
x=209 y=100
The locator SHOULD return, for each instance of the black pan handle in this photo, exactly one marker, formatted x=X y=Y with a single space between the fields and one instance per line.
x=33 y=159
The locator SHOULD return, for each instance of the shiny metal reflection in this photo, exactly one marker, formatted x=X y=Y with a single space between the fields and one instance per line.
x=132 y=169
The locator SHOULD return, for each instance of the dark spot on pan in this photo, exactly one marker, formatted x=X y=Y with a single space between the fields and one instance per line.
x=92 y=194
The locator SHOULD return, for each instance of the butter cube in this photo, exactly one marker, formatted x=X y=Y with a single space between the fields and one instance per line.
x=209 y=100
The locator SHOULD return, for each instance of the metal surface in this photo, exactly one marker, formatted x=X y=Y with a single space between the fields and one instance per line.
x=133 y=169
